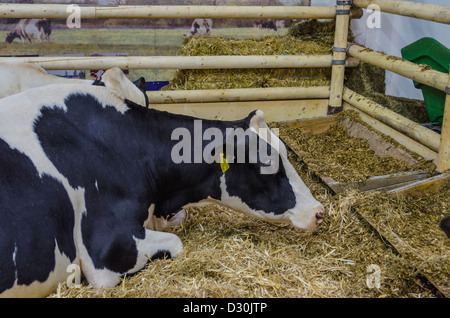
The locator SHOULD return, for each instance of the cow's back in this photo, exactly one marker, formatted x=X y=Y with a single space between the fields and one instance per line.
x=16 y=77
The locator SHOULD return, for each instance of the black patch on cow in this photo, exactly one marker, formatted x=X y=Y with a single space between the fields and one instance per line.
x=98 y=82
x=161 y=254
x=45 y=25
x=11 y=36
x=142 y=85
x=35 y=215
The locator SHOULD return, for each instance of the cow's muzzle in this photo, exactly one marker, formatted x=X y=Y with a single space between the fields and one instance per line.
x=319 y=217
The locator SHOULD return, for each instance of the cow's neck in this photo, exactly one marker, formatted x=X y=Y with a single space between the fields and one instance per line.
x=176 y=185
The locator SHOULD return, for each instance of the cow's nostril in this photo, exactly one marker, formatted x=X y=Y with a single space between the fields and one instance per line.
x=319 y=217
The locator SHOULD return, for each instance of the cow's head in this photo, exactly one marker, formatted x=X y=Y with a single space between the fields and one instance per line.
x=266 y=186
x=11 y=36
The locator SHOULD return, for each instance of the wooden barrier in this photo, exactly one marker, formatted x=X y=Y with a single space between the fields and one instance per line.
x=274 y=110
x=239 y=94
x=180 y=62
x=419 y=73
x=410 y=9
x=401 y=138
x=444 y=150
x=417 y=132
x=339 y=56
x=59 y=11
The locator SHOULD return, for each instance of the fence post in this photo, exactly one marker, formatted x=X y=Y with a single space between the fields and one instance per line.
x=444 y=149
x=339 y=55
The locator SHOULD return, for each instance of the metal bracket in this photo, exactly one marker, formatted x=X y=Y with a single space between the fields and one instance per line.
x=339 y=49
x=348 y=48
x=342 y=12
x=334 y=110
x=338 y=62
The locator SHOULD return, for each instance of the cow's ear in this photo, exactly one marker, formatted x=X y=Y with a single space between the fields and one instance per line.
x=257 y=120
x=140 y=83
x=132 y=105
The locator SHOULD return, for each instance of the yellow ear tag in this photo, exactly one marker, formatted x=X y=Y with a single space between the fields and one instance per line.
x=223 y=163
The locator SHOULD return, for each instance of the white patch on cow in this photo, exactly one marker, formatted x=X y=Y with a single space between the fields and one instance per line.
x=96 y=184
x=42 y=289
x=154 y=242
x=16 y=77
x=100 y=278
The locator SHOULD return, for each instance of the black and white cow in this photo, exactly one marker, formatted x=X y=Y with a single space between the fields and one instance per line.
x=33 y=30
x=82 y=170
x=200 y=27
x=265 y=24
x=16 y=77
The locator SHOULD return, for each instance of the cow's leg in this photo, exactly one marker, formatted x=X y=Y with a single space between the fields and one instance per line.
x=153 y=245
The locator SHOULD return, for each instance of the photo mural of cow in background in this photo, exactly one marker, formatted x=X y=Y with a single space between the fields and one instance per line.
x=33 y=30
x=265 y=24
x=200 y=27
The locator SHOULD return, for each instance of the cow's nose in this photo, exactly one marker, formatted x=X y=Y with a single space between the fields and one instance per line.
x=319 y=217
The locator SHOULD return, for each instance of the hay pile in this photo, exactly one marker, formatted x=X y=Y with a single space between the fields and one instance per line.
x=337 y=155
x=250 y=78
x=416 y=220
x=318 y=40
x=228 y=254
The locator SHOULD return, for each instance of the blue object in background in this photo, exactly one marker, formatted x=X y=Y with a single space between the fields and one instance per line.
x=154 y=86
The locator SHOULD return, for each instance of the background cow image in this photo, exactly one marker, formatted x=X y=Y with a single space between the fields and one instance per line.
x=33 y=30
x=82 y=170
x=265 y=24
x=200 y=27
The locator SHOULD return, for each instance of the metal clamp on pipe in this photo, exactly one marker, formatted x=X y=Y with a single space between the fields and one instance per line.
x=342 y=12
x=339 y=49
x=338 y=62
x=347 y=49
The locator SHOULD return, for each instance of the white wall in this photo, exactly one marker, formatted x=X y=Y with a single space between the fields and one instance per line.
x=394 y=33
